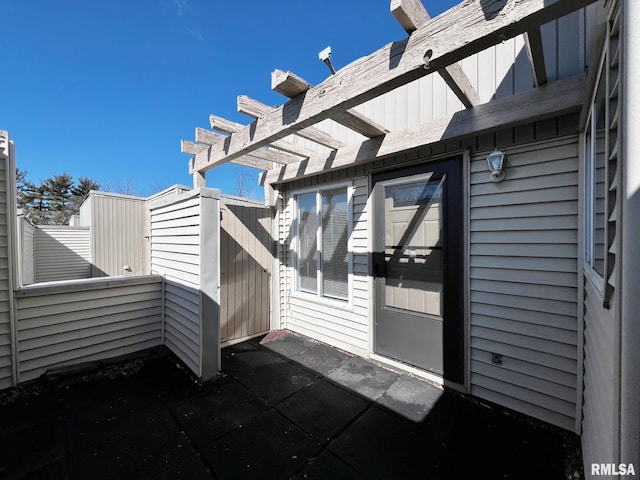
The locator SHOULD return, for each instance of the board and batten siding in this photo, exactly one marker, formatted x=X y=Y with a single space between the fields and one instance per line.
x=523 y=281
x=184 y=249
x=70 y=322
x=246 y=247
x=7 y=211
x=496 y=72
x=62 y=253
x=119 y=234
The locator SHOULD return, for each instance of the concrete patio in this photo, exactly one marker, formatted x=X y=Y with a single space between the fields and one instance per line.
x=284 y=407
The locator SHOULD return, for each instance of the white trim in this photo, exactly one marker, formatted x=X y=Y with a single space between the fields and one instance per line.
x=432 y=377
x=588 y=177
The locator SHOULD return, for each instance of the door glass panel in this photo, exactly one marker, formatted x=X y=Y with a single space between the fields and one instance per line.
x=413 y=230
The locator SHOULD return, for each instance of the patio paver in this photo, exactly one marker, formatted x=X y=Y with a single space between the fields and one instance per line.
x=284 y=407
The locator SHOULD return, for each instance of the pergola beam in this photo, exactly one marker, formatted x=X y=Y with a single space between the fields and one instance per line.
x=464 y=30
x=535 y=52
x=255 y=109
x=291 y=85
x=411 y=15
x=551 y=100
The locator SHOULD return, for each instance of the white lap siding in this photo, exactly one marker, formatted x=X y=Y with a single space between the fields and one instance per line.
x=523 y=285
x=66 y=323
x=523 y=281
x=345 y=327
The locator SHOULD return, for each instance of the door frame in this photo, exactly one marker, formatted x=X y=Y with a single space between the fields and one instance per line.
x=463 y=155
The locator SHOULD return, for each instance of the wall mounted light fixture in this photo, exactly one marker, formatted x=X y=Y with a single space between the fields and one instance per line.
x=325 y=56
x=495 y=161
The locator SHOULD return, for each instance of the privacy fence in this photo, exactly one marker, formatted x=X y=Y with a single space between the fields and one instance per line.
x=50 y=325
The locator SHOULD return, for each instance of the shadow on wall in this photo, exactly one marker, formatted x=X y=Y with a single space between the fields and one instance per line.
x=56 y=253
x=192 y=327
x=246 y=255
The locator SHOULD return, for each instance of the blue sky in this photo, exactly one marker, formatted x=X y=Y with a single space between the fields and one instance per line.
x=107 y=89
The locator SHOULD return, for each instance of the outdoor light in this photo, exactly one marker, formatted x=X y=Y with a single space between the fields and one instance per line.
x=325 y=56
x=495 y=162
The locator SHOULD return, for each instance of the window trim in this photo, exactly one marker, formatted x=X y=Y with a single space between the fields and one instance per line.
x=318 y=296
x=589 y=162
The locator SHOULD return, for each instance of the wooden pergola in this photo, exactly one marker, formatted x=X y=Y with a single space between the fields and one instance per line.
x=434 y=45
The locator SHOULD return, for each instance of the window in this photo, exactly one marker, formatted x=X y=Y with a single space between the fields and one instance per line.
x=322 y=227
x=595 y=148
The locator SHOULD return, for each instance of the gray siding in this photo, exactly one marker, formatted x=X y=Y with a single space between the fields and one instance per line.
x=7 y=164
x=62 y=253
x=119 y=235
x=75 y=322
x=246 y=257
x=175 y=253
x=523 y=281
x=600 y=423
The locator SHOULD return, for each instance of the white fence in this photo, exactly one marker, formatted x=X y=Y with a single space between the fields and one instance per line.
x=185 y=235
x=63 y=323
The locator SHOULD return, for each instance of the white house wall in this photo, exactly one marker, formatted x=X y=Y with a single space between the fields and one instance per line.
x=523 y=264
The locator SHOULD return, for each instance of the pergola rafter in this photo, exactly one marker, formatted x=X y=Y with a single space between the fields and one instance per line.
x=228 y=126
x=554 y=99
x=464 y=30
x=535 y=53
x=291 y=85
x=411 y=15
x=255 y=109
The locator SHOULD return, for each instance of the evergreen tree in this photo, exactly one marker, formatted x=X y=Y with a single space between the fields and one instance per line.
x=55 y=200
x=80 y=191
x=58 y=195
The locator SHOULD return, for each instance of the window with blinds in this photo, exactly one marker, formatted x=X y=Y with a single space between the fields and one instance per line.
x=322 y=243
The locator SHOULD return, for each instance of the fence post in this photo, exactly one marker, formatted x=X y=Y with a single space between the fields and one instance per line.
x=209 y=283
